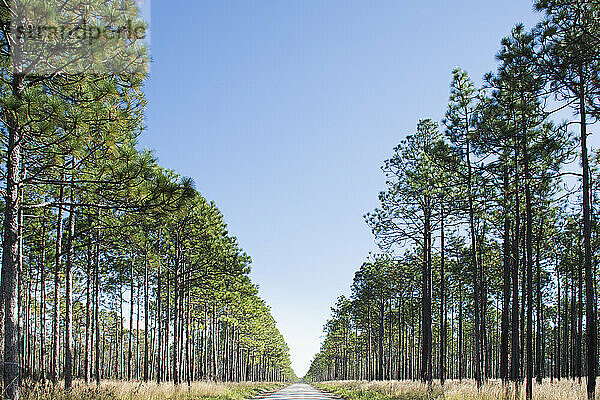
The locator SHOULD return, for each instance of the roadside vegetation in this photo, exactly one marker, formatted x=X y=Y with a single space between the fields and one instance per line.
x=136 y=390
x=452 y=390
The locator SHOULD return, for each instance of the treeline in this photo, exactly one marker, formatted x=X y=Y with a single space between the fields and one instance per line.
x=112 y=267
x=489 y=259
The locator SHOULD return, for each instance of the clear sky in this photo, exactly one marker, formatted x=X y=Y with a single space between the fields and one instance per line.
x=282 y=112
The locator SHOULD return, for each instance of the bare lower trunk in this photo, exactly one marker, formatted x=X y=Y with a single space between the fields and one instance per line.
x=590 y=290
x=443 y=330
x=97 y=305
x=539 y=359
x=474 y=264
x=56 y=310
x=69 y=299
x=529 y=270
x=160 y=362
x=515 y=358
x=146 y=320
x=130 y=343
x=506 y=284
x=86 y=361
x=10 y=252
x=43 y=304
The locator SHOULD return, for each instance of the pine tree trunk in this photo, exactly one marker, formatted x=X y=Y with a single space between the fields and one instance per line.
x=10 y=247
x=399 y=375
x=57 y=268
x=539 y=336
x=460 y=332
x=146 y=319
x=566 y=331
x=426 y=362
x=119 y=351
x=575 y=340
x=188 y=366
x=97 y=305
x=137 y=329
x=558 y=348
x=579 y=348
x=43 y=303
x=590 y=311
x=20 y=309
x=443 y=330
x=167 y=328
x=515 y=359
x=68 y=371
x=160 y=362
x=529 y=268
x=130 y=342
x=86 y=362
x=474 y=265
x=380 y=340
x=176 y=318
x=370 y=353
x=504 y=335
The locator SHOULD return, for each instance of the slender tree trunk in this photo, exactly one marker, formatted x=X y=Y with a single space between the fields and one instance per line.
x=579 y=347
x=43 y=302
x=529 y=268
x=504 y=335
x=399 y=375
x=97 y=304
x=426 y=361
x=159 y=367
x=146 y=316
x=558 y=354
x=575 y=340
x=539 y=337
x=20 y=309
x=86 y=373
x=443 y=329
x=130 y=342
x=380 y=340
x=121 y=350
x=475 y=267
x=515 y=359
x=137 y=329
x=370 y=353
x=69 y=296
x=566 y=330
x=460 y=332
x=167 y=327
x=57 y=268
x=523 y=319
x=176 y=318
x=590 y=311
x=10 y=247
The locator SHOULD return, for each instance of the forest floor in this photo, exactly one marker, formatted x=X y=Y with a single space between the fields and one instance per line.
x=564 y=389
x=121 y=390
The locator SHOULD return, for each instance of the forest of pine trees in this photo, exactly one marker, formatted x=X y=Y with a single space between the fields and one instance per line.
x=488 y=227
x=112 y=267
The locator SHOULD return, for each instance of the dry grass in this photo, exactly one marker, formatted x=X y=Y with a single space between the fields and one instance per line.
x=118 y=390
x=454 y=390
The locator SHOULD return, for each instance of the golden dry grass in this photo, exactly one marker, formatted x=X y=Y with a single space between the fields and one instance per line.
x=119 y=390
x=455 y=390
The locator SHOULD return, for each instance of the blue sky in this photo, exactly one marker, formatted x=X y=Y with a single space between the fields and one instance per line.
x=283 y=111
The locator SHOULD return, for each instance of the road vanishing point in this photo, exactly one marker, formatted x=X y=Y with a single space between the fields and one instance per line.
x=299 y=391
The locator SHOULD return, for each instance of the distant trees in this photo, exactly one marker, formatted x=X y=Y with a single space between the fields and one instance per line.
x=407 y=212
x=492 y=224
